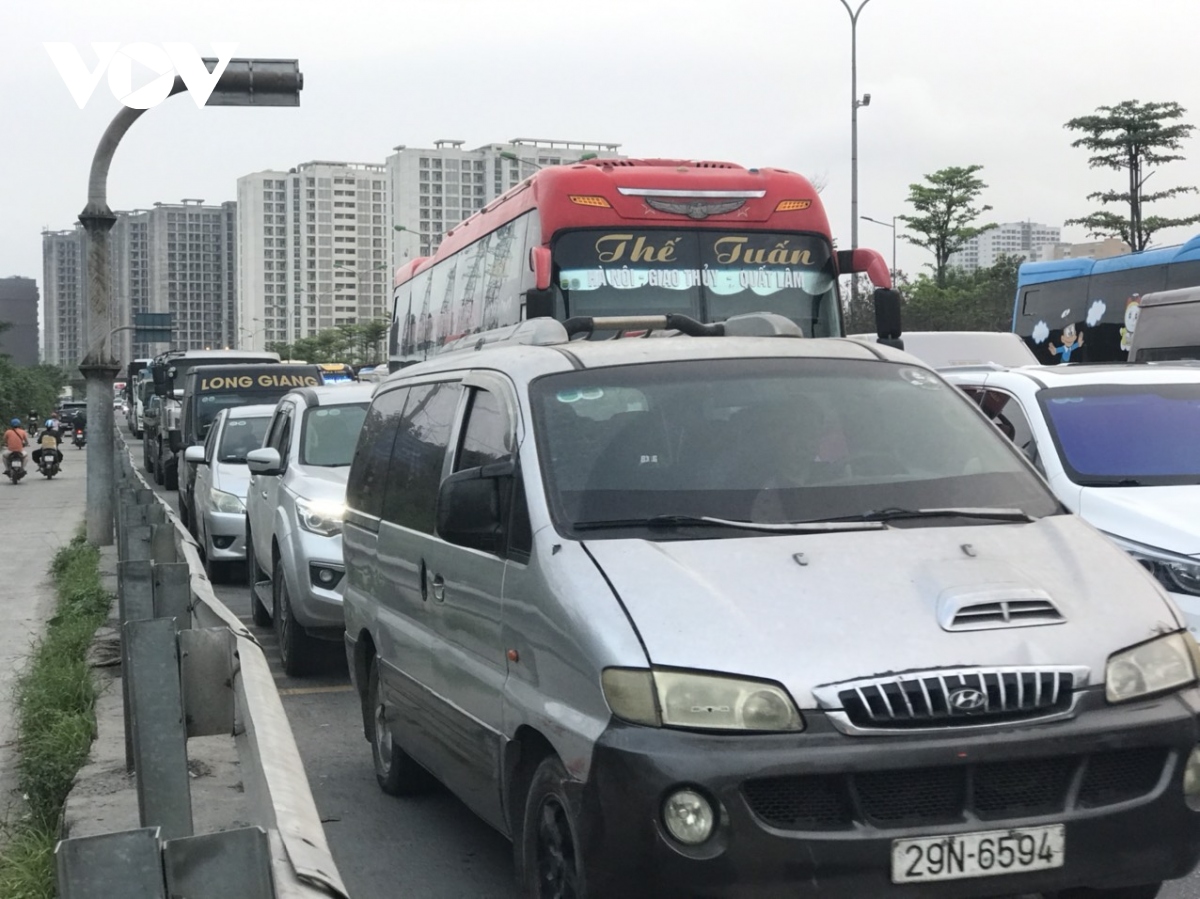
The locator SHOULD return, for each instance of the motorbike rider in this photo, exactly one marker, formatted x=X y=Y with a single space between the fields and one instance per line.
x=16 y=438
x=52 y=429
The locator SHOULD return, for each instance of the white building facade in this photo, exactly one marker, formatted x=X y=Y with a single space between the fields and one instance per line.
x=1022 y=239
x=433 y=189
x=175 y=257
x=312 y=251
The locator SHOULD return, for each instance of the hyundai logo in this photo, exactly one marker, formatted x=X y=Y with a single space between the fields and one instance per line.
x=968 y=700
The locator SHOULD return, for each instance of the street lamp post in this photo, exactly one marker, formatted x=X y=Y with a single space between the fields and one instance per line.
x=245 y=82
x=855 y=102
x=867 y=218
x=426 y=240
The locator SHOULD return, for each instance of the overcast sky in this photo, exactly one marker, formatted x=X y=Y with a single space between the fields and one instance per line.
x=759 y=82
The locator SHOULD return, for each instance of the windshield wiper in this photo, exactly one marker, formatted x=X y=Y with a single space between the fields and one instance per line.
x=895 y=514
x=676 y=521
x=1110 y=482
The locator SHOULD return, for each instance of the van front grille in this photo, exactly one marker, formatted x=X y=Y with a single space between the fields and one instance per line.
x=950 y=698
x=990 y=791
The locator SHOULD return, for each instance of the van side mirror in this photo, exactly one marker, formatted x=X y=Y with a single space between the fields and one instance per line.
x=194 y=455
x=539 y=304
x=469 y=506
x=887 y=317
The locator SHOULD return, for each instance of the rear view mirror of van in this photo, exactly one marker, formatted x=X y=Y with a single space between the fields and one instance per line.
x=469 y=504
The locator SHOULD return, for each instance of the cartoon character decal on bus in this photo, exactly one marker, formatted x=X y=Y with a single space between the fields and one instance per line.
x=1070 y=341
x=1133 y=309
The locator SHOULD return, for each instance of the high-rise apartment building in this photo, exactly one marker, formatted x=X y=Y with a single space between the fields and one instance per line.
x=433 y=189
x=19 y=312
x=175 y=257
x=64 y=301
x=1023 y=239
x=312 y=250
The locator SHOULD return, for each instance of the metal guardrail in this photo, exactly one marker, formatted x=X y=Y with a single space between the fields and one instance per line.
x=190 y=668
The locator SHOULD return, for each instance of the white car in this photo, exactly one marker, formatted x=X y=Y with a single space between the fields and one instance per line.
x=294 y=511
x=222 y=480
x=950 y=349
x=1118 y=444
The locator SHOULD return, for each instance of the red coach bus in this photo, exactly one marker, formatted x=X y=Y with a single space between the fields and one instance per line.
x=632 y=237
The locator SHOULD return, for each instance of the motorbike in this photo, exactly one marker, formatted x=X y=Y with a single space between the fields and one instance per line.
x=16 y=468
x=48 y=458
x=80 y=438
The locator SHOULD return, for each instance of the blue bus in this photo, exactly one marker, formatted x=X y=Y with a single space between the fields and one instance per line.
x=1086 y=310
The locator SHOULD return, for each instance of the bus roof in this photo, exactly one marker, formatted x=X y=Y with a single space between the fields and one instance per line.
x=599 y=193
x=1060 y=269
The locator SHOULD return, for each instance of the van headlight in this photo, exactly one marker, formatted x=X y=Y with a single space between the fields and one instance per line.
x=226 y=502
x=1179 y=574
x=317 y=517
x=699 y=701
x=1165 y=663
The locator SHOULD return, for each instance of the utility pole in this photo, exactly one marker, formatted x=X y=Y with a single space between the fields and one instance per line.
x=245 y=82
x=855 y=103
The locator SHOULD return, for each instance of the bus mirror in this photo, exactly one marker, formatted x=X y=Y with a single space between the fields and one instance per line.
x=539 y=264
x=887 y=317
x=160 y=380
x=539 y=304
x=850 y=262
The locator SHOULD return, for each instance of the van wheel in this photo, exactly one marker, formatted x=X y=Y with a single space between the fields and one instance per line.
x=1147 y=891
x=254 y=574
x=395 y=770
x=296 y=648
x=547 y=849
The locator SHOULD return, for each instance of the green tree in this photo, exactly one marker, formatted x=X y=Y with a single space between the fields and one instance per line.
x=1130 y=137
x=356 y=344
x=981 y=300
x=31 y=387
x=944 y=214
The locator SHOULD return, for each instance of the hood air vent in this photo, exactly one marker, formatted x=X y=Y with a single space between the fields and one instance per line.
x=977 y=610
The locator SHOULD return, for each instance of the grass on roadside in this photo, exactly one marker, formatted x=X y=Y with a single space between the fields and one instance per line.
x=55 y=701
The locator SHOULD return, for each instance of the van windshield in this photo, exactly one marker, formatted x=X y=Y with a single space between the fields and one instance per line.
x=770 y=440
x=1126 y=435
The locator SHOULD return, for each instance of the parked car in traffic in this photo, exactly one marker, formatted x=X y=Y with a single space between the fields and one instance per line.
x=294 y=512
x=950 y=349
x=1118 y=445
x=221 y=482
x=733 y=616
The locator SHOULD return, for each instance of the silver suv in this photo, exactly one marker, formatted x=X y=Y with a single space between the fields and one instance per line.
x=734 y=616
x=294 y=512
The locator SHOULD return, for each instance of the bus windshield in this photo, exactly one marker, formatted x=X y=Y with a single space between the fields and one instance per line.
x=707 y=274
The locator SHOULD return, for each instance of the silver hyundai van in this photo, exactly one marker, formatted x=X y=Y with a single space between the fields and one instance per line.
x=698 y=614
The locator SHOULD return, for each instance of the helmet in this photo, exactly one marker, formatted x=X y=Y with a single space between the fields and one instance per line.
x=16 y=422
x=49 y=422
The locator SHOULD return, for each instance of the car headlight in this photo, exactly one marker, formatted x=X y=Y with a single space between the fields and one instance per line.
x=1164 y=663
x=698 y=701
x=1179 y=574
x=226 y=502
x=321 y=517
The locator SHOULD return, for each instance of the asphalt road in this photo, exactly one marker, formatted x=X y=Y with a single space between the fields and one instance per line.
x=430 y=847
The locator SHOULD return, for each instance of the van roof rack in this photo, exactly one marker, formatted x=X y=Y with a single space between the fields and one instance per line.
x=551 y=332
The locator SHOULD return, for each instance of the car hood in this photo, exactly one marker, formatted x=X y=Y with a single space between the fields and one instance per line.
x=864 y=603
x=232 y=478
x=320 y=482
x=1164 y=517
